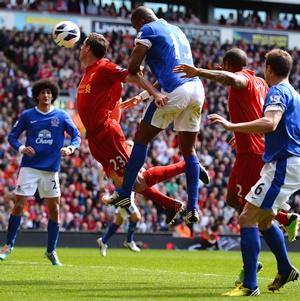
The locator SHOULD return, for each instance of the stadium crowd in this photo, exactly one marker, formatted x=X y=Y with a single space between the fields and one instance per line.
x=96 y=8
x=26 y=56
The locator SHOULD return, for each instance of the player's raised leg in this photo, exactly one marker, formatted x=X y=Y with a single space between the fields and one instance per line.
x=137 y=159
x=159 y=174
x=290 y=222
x=172 y=206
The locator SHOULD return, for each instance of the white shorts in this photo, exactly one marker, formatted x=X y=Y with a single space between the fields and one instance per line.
x=184 y=107
x=126 y=212
x=279 y=180
x=31 y=179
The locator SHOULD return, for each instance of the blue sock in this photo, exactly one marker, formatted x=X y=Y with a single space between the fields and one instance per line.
x=135 y=163
x=192 y=172
x=250 y=247
x=13 y=226
x=131 y=229
x=53 y=233
x=110 y=232
x=275 y=240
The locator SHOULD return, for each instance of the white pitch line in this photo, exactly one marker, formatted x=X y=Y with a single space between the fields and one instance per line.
x=132 y=269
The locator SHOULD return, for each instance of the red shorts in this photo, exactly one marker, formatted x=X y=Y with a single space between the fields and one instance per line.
x=109 y=147
x=244 y=174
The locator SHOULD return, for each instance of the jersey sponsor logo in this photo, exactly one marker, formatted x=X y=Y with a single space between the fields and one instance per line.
x=55 y=122
x=33 y=121
x=44 y=137
x=87 y=88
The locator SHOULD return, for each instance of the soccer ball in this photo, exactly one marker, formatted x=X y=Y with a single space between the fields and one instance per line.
x=66 y=34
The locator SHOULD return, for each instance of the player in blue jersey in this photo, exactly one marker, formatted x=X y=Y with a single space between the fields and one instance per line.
x=45 y=127
x=280 y=176
x=165 y=46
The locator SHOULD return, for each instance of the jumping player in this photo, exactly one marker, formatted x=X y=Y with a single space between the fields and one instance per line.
x=98 y=92
x=164 y=46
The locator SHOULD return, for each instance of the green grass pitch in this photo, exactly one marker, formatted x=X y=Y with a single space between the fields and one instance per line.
x=156 y=275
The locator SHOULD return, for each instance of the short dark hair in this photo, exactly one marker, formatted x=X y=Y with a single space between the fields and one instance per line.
x=44 y=84
x=143 y=12
x=98 y=44
x=280 y=62
x=236 y=57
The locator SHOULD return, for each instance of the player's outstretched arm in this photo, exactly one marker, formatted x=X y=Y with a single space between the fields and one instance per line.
x=130 y=103
x=135 y=100
x=190 y=71
x=266 y=124
x=223 y=77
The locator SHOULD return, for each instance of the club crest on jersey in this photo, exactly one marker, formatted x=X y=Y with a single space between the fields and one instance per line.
x=44 y=137
x=275 y=99
x=55 y=122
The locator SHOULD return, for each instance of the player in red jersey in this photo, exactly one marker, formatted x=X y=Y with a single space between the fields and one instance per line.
x=98 y=93
x=246 y=97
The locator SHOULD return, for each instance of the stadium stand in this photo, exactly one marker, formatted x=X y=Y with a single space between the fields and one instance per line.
x=93 y=8
x=82 y=180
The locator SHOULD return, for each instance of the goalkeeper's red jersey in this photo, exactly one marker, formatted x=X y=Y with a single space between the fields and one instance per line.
x=246 y=105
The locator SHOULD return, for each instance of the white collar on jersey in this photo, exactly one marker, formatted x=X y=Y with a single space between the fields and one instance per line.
x=45 y=113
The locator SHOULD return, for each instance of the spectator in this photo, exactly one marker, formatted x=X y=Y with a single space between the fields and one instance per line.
x=182 y=230
x=80 y=180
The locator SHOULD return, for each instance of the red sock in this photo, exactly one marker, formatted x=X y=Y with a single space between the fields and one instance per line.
x=282 y=218
x=159 y=198
x=159 y=174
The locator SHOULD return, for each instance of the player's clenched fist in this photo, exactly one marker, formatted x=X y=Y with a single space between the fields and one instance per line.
x=160 y=99
x=28 y=150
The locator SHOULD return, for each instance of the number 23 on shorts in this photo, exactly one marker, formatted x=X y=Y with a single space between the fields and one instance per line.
x=117 y=163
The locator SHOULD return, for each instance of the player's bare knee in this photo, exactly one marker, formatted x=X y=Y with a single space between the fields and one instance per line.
x=135 y=217
x=246 y=220
x=18 y=210
x=233 y=203
x=265 y=221
x=265 y=225
x=54 y=213
x=140 y=183
x=19 y=206
x=118 y=220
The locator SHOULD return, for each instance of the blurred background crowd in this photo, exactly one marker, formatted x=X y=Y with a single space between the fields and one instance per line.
x=250 y=19
x=27 y=56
